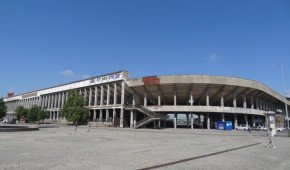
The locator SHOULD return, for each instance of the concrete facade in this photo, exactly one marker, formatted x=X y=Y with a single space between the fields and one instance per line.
x=122 y=102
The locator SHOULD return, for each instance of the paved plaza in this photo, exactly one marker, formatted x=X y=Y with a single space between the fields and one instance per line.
x=60 y=147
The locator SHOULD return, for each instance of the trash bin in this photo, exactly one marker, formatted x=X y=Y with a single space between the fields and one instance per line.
x=227 y=125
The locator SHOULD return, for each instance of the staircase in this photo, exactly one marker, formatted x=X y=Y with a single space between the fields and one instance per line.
x=151 y=116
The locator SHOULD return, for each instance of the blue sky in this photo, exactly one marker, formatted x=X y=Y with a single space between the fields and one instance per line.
x=47 y=43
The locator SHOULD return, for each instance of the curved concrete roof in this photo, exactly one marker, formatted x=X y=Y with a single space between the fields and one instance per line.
x=208 y=79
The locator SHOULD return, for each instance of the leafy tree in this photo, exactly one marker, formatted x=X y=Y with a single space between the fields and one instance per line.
x=74 y=108
x=21 y=111
x=3 y=108
x=32 y=113
x=42 y=114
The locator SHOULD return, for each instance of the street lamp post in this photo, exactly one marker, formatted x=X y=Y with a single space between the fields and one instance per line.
x=285 y=100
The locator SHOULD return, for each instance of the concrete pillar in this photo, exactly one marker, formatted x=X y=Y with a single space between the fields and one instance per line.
x=222 y=99
x=107 y=115
x=223 y=117
x=115 y=93
x=62 y=99
x=159 y=98
x=257 y=103
x=244 y=101
x=52 y=101
x=122 y=105
x=55 y=100
x=207 y=98
x=95 y=115
x=57 y=114
x=154 y=123
x=191 y=121
x=134 y=121
x=253 y=121
x=236 y=121
x=90 y=96
x=175 y=102
x=133 y=99
x=108 y=94
x=96 y=96
x=145 y=98
x=102 y=95
x=252 y=102
x=131 y=119
x=85 y=94
x=101 y=116
x=175 y=120
x=187 y=120
x=159 y=124
x=191 y=97
x=246 y=119
x=114 y=116
x=50 y=114
x=59 y=100
x=208 y=121
x=235 y=100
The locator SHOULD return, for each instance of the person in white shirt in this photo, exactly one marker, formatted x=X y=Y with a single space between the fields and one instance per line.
x=270 y=137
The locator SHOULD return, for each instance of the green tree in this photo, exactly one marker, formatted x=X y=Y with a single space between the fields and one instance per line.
x=21 y=111
x=33 y=112
x=74 y=108
x=42 y=114
x=3 y=108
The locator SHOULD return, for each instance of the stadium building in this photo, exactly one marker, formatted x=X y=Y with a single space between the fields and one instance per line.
x=117 y=101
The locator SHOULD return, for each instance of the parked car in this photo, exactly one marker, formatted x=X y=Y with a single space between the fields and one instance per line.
x=242 y=127
x=259 y=128
x=279 y=129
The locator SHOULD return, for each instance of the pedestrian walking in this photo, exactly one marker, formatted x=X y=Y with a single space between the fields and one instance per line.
x=270 y=138
x=76 y=126
x=88 y=127
x=250 y=130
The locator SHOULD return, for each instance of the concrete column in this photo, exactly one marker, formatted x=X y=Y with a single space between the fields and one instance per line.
x=252 y=102
x=159 y=124
x=115 y=93
x=80 y=92
x=89 y=115
x=85 y=94
x=253 y=121
x=52 y=101
x=159 y=98
x=175 y=120
x=244 y=101
x=90 y=96
x=134 y=121
x=222 y=99
x=108 y=95
x=114 y=116
x=57 y=114
x=66 y=96
x=96 y=96
x=235 y=100
x=223 y=117
x=191 y=121
x=50 y=114
x=59 y=99
x=62 y=99
x=95 y=115
x=187 y=120
x=55 y=101
x=107 y=115
x=175 y=102
x=101 y=116
x=236 y=121
x=145 y=98
x=122 y=105
x=246 y=119
x=131 y=119
x=133 y=99
x=102 y=95
x=257 y=103
x=191 y=98
x=208 y=121
x=199 y=117
x=207 y=98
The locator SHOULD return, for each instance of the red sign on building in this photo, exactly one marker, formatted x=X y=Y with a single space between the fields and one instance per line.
x=150 y=80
